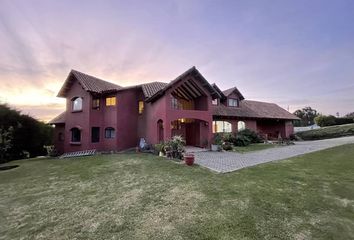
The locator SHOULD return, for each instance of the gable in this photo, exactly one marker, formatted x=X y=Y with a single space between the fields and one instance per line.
x=188 y=88
x=233 y=93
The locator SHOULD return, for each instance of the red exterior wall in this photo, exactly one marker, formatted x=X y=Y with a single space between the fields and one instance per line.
x=59 y=140
x=130 y=126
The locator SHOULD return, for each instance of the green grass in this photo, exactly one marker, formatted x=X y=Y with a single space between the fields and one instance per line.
x=328 y=132
x=254 y=147
x=138 y=196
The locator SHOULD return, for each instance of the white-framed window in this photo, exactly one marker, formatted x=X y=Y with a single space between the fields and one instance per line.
x=214 y=102
x=233 y=102
x=77 y=104
x=222 y=126
x=241 y=125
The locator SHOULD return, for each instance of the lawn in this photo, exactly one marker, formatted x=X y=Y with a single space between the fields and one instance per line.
x=138 y=196
x=327 y=132
x=254 y=147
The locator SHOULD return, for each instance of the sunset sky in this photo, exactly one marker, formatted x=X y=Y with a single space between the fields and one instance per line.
x=294 y=53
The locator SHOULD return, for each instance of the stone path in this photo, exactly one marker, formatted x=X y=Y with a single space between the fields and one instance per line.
x=224 y=162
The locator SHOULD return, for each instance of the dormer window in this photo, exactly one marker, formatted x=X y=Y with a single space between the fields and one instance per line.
x=214 y=102
x=77 y=104
x=233 y=102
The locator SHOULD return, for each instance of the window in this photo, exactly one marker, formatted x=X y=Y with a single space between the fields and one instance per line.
x=77 y=104
x=174 y=103
x=95 y=134
x=141 y=107
x=241 y=126
x=222 y=126
x=109 y=132
x=214 y=102
x=233 y=102
x=75 y=135
x=110 y=101
x=96 y=103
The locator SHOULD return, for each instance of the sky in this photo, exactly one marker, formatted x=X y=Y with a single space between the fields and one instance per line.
x=293 y=53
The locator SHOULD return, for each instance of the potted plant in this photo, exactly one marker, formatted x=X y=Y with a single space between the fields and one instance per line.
x=189 y=159
x=217 y=142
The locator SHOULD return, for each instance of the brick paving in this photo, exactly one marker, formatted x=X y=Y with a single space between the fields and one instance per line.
x=224 y=162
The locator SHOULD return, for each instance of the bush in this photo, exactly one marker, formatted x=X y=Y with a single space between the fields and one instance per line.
x=325 y=121
x=227 y=146
x=174 y=148
x=327 y=132
x=159 y=148
x=242 y=141
x=218 y=139
x=251 y=135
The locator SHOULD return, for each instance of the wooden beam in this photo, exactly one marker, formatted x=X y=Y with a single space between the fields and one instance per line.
x=186 y=91
x=192 y=89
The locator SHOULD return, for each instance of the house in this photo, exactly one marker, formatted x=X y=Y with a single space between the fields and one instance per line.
x=105 y=116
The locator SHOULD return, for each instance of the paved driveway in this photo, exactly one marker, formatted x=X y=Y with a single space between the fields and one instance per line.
x=230 y=161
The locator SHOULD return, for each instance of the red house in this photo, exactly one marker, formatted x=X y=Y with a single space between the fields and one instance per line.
x=104 y=116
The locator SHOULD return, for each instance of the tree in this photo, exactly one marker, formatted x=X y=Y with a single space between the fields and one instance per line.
x=27 y=135
x=323 y=121
x=350 y=115
x=6 y=136
x=307 y=116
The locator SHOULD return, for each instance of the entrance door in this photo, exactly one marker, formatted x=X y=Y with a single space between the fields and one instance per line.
x=192 y=134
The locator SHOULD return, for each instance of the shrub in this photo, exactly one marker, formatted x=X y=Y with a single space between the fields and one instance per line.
x=242 y=141
x=174 y=148
x=327 y=132
x=251 y=135
x=218 y=139
x=227 y=146
x=159 y=147
x=323 y=120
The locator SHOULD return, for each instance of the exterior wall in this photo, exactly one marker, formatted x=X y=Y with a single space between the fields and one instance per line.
x=59 y=142
x=274 y=127
x=77 y=119
x=203 y=115
x=130 y=126
x=126 y=119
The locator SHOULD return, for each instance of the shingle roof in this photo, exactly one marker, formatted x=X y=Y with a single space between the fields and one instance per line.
x=254 y=109
x=227 y=92
x=58 y=119
x=88 y=83
x=149 y=89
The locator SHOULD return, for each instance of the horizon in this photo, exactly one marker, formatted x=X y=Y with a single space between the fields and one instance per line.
x=294 y=54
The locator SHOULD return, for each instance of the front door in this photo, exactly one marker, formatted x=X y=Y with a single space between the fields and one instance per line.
x=192 y=134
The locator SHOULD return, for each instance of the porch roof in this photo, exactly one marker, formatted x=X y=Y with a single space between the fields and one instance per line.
x=60 y=119
x=254 y=109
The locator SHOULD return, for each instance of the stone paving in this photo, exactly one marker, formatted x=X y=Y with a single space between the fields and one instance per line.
x=224 y=162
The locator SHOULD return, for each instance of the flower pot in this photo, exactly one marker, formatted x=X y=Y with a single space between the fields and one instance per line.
x=161 y=154
x=189 y=159
x=214 y=147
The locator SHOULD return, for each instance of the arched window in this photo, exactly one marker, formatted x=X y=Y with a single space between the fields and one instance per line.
x=241 y=125
x=109 y=132
x=77 y=104
x=75 y=135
